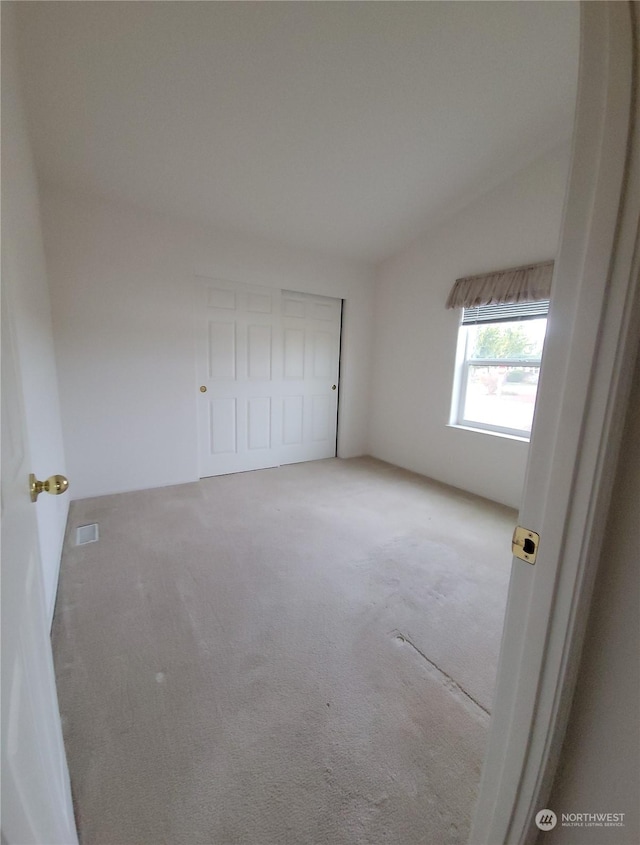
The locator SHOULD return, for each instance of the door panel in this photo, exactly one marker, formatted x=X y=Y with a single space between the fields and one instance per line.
x=293 y=353
x=222 y=425
x=259 y=422
x=259 y=353
x=320 y=418
x=268 y=360
x=222 y=350
x=292 y=420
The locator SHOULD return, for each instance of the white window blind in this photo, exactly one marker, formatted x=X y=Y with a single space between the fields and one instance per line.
x=505 y=312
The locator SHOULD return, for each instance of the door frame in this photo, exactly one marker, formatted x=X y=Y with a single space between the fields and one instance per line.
x=591 y=349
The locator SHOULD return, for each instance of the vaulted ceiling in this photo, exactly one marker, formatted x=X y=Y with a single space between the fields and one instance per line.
x=345 y=127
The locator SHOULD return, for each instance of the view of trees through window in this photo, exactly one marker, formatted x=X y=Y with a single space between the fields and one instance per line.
x=495 y=341
x=502 y=365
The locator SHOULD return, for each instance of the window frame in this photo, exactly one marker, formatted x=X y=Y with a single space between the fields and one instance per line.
x=464 y=364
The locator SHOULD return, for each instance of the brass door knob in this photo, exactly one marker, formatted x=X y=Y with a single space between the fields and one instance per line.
x=203 y=388
x=55 y=484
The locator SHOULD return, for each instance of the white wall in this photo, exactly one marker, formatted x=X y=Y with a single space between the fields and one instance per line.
x=123 y=295
x=415 y=337
x=599 y=769
x=24 y=280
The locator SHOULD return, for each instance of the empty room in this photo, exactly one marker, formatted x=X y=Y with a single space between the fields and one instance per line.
x=318 y=345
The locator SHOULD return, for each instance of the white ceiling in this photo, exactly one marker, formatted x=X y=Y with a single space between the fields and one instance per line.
x=343 y=127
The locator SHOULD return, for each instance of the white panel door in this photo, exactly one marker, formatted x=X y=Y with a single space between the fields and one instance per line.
x=239 y=376
x=267 y=377
x=311 y=362
x=36 y=797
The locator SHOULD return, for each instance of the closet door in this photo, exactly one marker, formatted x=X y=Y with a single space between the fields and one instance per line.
x=239 y=377
x=267 y=367
x=311 y=362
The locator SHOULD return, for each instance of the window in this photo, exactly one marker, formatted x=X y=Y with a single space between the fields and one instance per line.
x=499 y=356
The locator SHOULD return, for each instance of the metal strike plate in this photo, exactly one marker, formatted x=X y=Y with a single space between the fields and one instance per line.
x=525 y=544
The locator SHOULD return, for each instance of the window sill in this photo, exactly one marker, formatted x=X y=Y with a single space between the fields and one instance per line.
x=490 y=431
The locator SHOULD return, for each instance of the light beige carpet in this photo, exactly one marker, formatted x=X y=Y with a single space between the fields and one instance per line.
x=294 y=656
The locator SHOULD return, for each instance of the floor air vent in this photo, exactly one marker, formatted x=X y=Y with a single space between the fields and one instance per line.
x=87 y=534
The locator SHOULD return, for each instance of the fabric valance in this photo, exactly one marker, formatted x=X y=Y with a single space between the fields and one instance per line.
x=518 y=284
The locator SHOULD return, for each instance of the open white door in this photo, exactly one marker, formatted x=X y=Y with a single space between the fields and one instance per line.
x=267 y=366
x=592 y=341
x=36 y=796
